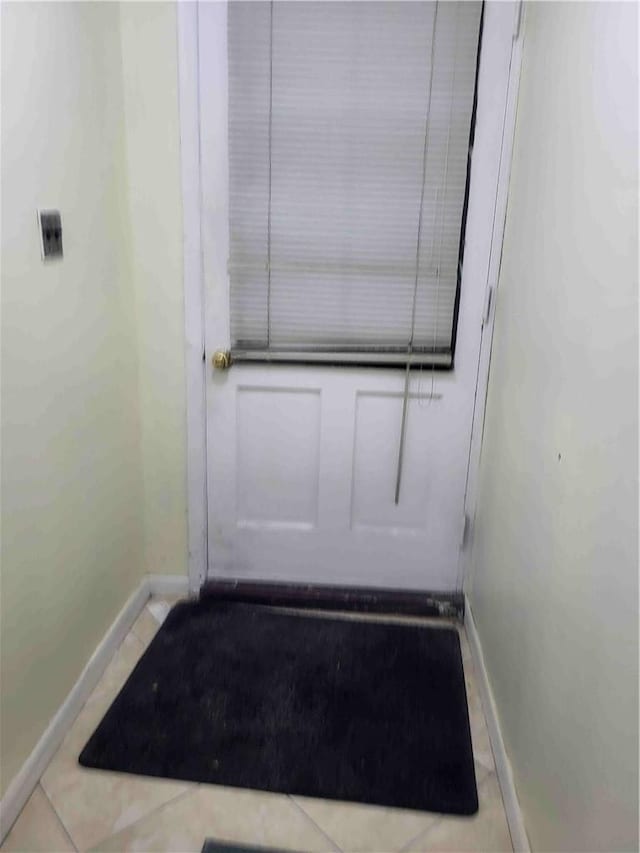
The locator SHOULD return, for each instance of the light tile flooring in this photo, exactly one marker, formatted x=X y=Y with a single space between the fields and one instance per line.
x=77 y=809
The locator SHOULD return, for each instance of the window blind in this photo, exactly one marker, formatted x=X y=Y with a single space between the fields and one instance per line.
x=349 y=127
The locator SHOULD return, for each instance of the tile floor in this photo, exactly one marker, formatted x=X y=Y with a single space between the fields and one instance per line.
x=77 y=809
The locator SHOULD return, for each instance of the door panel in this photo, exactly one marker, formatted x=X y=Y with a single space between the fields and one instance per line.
x=307 y=458
x=376 y=438
x=302 y=460
x=277 y=457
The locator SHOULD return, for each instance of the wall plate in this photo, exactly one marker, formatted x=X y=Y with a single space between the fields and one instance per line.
x=50 y=228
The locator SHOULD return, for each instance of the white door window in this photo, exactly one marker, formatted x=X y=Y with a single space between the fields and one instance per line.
x=349 y=134
x=337 y=208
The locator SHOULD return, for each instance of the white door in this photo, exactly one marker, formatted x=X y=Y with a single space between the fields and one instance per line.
x=302 y=460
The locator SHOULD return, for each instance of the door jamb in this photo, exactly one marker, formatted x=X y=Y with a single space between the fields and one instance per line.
x=465 y=563
x=193 y=282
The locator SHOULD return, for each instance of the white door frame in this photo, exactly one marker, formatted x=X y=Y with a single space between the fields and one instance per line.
x=194 y=303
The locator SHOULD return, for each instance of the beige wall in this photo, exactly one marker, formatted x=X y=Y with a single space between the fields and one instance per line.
x=555 y=584
x=72 y=544
x=93 y=399
x=150 y=74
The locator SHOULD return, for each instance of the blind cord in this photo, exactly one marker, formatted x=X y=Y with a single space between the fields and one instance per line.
x=436 y=208
x=405 y=400
x=424 y=178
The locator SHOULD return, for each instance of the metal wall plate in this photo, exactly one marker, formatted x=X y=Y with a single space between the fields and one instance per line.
x=50 y=224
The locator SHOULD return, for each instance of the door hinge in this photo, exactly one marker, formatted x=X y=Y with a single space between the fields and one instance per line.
x=464 y=535
x=488 y=302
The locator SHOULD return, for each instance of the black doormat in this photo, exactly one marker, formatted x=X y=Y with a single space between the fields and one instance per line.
x=346 y=709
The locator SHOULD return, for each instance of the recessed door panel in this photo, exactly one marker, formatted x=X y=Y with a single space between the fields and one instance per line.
x=277 y=457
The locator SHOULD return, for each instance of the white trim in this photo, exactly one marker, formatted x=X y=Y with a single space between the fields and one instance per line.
x=187 y=21
x=499 y=222
x=167 y=585
x=21 y=787
x=503 y=765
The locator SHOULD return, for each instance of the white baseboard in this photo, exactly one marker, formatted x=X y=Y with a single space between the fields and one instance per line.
x=21 y=787
x=167 y=584
x=503 y=765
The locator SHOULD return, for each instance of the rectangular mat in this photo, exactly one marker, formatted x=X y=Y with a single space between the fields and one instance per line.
x=339 y=708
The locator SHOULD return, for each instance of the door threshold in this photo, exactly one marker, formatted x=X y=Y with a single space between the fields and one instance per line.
x=447 y=605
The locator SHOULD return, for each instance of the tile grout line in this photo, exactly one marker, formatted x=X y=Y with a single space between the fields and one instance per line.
x=133 y=627
x=422 y=832
x=426 y=832
x=317 y=826
x=193 y=787
x=147 y=643
x=58 y=816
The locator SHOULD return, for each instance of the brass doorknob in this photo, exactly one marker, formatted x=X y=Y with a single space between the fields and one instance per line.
x=221 y=359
